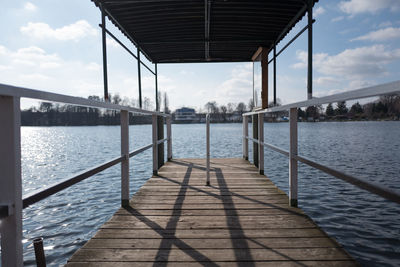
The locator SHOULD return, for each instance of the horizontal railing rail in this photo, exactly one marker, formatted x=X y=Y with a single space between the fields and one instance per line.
x=275 y=148
x=161 y=141
x=378 y=90
x=384 y=89
x=41 y=194
x=369 y=186
x=9 y=90
x=140 y=150
x=11 y=200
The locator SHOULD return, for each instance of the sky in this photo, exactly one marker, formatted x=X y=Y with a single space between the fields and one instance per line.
x=55 y=46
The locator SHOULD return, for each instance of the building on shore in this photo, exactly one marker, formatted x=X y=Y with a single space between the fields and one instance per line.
x=185 y=115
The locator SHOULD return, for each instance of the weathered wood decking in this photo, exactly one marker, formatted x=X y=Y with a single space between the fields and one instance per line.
x=241 y=219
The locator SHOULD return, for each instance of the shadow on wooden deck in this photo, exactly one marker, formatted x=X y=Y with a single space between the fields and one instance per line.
x=242 y=219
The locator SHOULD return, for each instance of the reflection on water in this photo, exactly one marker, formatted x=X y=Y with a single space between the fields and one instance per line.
x=367 y=226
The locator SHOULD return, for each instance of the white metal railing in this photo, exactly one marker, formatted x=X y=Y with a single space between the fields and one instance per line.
x=388 y=88
x=11 y=200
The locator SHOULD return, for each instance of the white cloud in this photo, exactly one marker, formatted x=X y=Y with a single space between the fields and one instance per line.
x=325 y=80
x=3 y=50
x=318 y=11
x=29 y=6
x=380 y=35
x=75 y=31
x=355 y=7
x=337 y=19
x=94 y=66
x=357 y=84
x=33 y=67
x=112 y=43
x=35 y=76
x=352 y=64
x=2 y=67
x=34 y=56
x=238 y=86
x=185 y=72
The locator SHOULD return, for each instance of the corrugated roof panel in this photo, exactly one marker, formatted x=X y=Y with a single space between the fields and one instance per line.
x=179 y=31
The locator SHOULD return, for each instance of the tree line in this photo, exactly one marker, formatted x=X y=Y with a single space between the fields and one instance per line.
x=55 y=114
x=386 y=107
x=49 y=114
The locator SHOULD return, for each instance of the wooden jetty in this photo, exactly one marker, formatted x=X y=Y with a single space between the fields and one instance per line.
x=242 y=219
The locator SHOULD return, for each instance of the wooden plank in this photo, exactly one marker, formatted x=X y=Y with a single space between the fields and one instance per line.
x=201 y=243
x=325 y=263
x=208 y=206
x=209 y=255
x=207 y=224
x=242 y=218
x=241 y=179
x=209 y=212
x=210 y=233
x=207 y=199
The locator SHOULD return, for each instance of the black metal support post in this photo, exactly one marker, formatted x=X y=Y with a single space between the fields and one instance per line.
x=103 y=33
x=139 y=78
x=156 y=79
x=39 y=252
x=310 y=50
x=254 y=122
x=274 y=74
x=160 y=136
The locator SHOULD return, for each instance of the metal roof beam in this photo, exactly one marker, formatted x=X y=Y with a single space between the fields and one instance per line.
x=127 y=49
x=122 y=29
x=291 y=41
x=207 y=7
x=291 y=24
x=238 y=41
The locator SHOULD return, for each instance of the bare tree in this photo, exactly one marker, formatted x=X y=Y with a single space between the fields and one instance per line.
x=224 y=110
x=231 y=107
x=241 y=108
x=147 y=104
x=116 y=99
x=251 y=104
x=390 y=102
x=212 y=107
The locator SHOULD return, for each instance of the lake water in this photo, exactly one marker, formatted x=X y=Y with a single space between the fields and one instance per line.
x=366 y=225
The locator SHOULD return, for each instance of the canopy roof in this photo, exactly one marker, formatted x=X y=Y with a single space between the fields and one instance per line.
x=203 y=30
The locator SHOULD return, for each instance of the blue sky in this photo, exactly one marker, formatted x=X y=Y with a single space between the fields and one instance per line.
x=55 y=45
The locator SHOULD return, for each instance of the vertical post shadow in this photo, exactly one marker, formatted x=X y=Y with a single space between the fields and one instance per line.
x=166 y=243
x=239 y=243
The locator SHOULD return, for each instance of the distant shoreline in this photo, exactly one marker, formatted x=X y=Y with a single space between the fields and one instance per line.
x=180 y=123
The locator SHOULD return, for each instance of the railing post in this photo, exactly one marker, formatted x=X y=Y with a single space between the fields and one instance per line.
x=245 y=135
x=155 y=146
x=11 y=184
x=292 y=160
x=208 y=148
x=260 y=143
x=254 y=122
x=125 y=154
x=169 y=136
x=160 y=136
